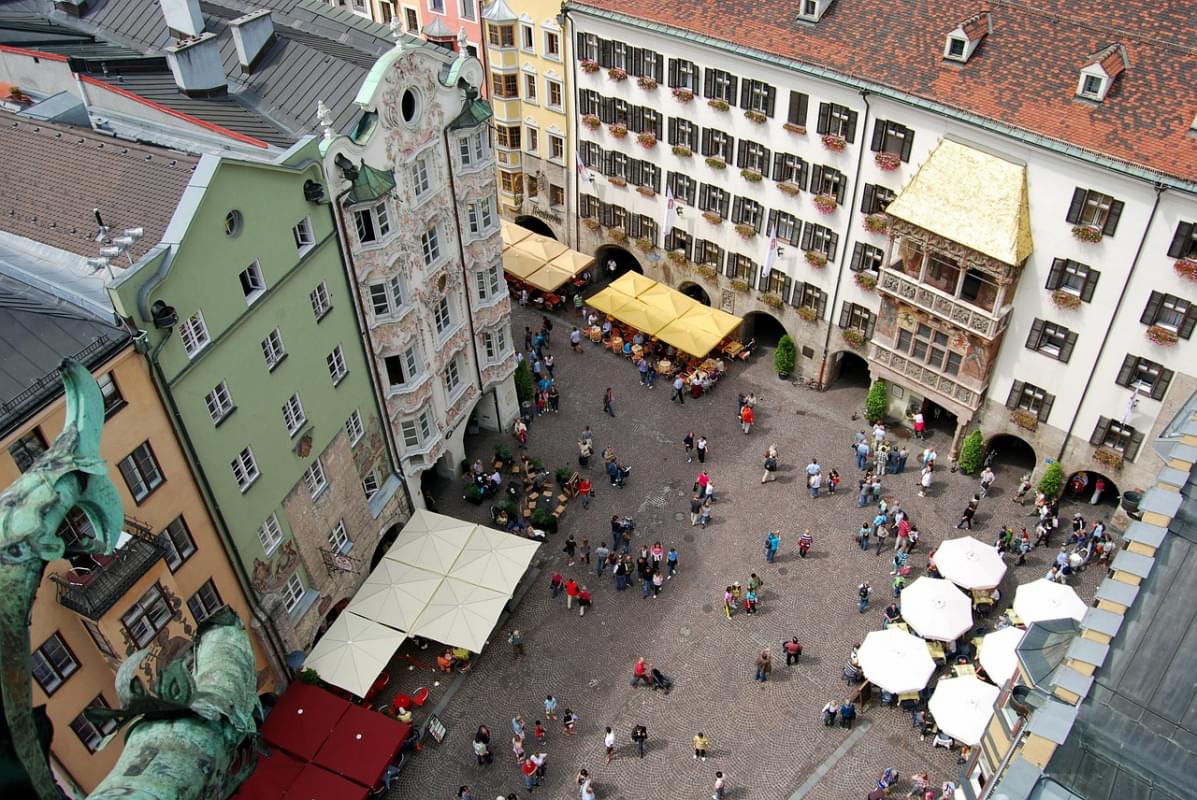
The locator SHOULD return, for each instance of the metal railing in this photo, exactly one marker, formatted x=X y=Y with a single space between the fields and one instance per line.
x=93 y=591
x=987 y=324
x=51 y=383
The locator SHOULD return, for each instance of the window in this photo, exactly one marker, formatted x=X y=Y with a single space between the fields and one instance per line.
x=270 y=534
x=509 y=182
x=753 y=156
x=796 y=115
x=532 y=141
x=554 y=88
x=452 y=377
x=415 y=431
x=875 y=198
x=837 y=120
x=786 y=227
x=892 y=138
x=147 y=616
x=743 y=268
x=205 y=602
x=820 y=239
x=467 y=10
x=90 y=733
x=1171 y=312
x=929 y=347
x=807 y=295
x=643 y=227
x=552 y=44
x=488 y=282
x=529 y=89
x=789 y=168
x=644 y=173
x=253 y=285
x=505 y=85
x=76 y=529
x=678 y=239
x=420 y=181
x=708 y=253
x=713 y=199
x=588 y=206
x=471 y=148
x=26 y=450
x=441 y=317
x=293 y=592
x=527 y=38
x=220 y=403
x=1030 y=398
x=866 y=257
x=114 y=401
x=411 y=20
x=758 y=96
x=531 y=184
x=1114 y=435
x=480 y=215
x=321 y=301
x=1051 y=339
x=720 y=85
x=436 y=6
x=176 y=540
x=53 y=663
x=556 y=147
x=372 y=223
x=354 y=428
x=293 y=416
x=141 y=473
x=1144 y=376
x=857 y=318
x=778 y=283
x=956 y=47
x=304 y=236
x=718 y=144
x=430 y=246
x=386 y=297
x=646 y=62
x=245 y=469
x=683 y=74
x=401 y=369
x=100 y=640
x=273 y=350
x=748 y=212
x=683 y=132
x=1184 y=241
x=338 y=539
x=507 y=136
x=495 y=344
x=337 y=370
x=194 y=334
x=314 y=478
x=1091 y=86
x=1095 y=210
x=829 y=181
x=370 y=484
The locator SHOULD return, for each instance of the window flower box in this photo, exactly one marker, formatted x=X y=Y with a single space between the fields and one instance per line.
x=834 y=143
x=647 y=83
x=677 y=256
x=615 y=180
x=740 y=285
x=717 y=104
x=681 y=151
x=588 y=66
x=708 y=272
x=592 y=224
x=806 y=312
x=716 y=163
x=1108 y=457
x=1066 y=300
x=746 y=231
x=647 y=191
x=887 y=162
x=647 y=140
x=712 y=217
x=789 y=188
x=815 y=258
x=825 y=203
x=618 y=234
x=865 y=281
x=591 y=121
x=1086 y=233
x=876 y=223
x=683 y=95
x=1162 y=336
x=756 y=116
x=853 y=337
x=795 y=129
x=1186 y=269
x=1024 y=419
x=772 y=300
x=617 y=74
x=645 y=245
x=618 y=131
x=751 y=175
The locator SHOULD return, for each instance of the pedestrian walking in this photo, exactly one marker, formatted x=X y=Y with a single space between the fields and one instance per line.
x=804 y=543
x=679 y=386
x=575 y=340
x=966 y=517
x=862 y=593
x=770 y=458
x=729 y=602
x=556 y=584
x=482 y=751
x=569 y=723
x=700 y=447
x=609 y=744
x=720 y=785
x=584 y=601
x=701 y=743
x=862 y=454
x=764 y=665
x=987 y=478
x=747 y=417
x=570 y=548
x=516 y=640
x=829 y=712
x=658 y=581
x=862 y=536
x=688 y=444
x=880 y=533
x=639 y=737
x=571 y=592
x=793 y=651
x=550 y=707
x=704 y=516
x=517 y=747
x=695 y=509
x=814 y=482
x=772 y=543
x=671 y=562
x=847 y=713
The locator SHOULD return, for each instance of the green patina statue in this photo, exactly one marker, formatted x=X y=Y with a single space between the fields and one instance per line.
x=180 y=741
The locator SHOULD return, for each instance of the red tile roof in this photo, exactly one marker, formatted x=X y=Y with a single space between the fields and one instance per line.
x=1112 y=60
x=977 y=26
x=1024 y=74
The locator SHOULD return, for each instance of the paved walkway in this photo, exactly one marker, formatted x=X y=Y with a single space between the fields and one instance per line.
x=766 y=738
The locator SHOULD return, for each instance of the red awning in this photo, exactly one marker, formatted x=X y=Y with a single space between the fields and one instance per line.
x=315 y=783
x=362 y=745
x=274 y=774
x=302 y=719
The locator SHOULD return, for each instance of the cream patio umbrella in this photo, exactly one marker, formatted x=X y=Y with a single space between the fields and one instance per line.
x=549 y=278
x=460 y=614
x=430 y=541
x=353 y=651
x=632 y=284
x=513 y=233
x=540 y=246
x=395 y=594
x=520 y=265
x=936 y=609
x=896 y=661
x=573 y=261
x=1043 y=600
x=962 y=707
x=494 y=560
x=998 y=656
x=970 y=564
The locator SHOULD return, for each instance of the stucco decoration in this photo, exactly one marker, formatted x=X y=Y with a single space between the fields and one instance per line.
x=403 y=140
x=460 y=406
x=405 y=403
x=492 y=315
x=498 y=372
x=270 y=576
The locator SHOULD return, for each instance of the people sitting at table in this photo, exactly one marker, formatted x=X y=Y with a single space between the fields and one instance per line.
x=444 y=661
x=627 y=348
x=606 y=329
x=892 y=615
x=403 y=714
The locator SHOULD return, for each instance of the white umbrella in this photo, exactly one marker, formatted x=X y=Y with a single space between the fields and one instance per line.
x=460 y=615
x=896 y=661
x=970 y=564
x=997 y=653
x=431 y=541
x=962 y=707
x=494 y=560
x=936 y=609
x=1043 y=600
x=353 y=652
x=395 y=594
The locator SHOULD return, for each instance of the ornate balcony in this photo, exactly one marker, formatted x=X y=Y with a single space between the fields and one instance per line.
x=93 y=590
x=955 y=389
x=986 y=324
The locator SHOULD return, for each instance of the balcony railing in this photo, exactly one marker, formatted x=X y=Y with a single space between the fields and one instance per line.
x=92 y=591
x=974 y=320
x=951 y=387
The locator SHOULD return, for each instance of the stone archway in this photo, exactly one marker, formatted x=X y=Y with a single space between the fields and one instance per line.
x=1081 y=485
x=764 y=328
x=1011 y=451
x=385 y=544
x=847 y=369
x=535 y=225
x=695 y=292
x=612 y=261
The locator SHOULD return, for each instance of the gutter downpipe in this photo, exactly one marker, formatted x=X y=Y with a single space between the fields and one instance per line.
x=1159 y=192
x=839 y=273
x=568 y=40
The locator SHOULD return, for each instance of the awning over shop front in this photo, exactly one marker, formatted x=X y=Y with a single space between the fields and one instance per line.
x=353 y=651
x=632 y=284
x=549 y=278
x=461 y=614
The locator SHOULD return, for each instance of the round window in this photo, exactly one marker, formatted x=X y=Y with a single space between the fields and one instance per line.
x=232 y=223
x=409 y=105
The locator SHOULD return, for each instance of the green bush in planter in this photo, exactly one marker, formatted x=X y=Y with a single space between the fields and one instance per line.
x=877 y=401
x=473 y=494
x=544 y=520
x=537 y=464
x=503 y=453
x=784 y=356
x=507 y=506
x=563 y=475
x=972 y=452
x=1052 y=482
x=524 y=387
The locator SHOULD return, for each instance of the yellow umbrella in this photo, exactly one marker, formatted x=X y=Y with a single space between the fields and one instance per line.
x=520 y=265
x=513 y=233
x=632 y=284
x=689 y=339
x=543 y=247
x=714 y=319
x=668 y=300
x=628 y=310
x=549 y=277
x=574 y=261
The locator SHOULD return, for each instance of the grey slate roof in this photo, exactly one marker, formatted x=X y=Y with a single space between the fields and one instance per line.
x=38 y=33
x=56 y=175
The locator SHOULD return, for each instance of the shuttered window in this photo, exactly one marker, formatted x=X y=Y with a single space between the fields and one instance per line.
x=807 y=295
x=1030 y=398
x=683 y=132
x=713 y=199
x=892 y=138
x=796 y=115
x=1073 y=277
x=837 y=120
x=875 y=198
x=1051 y=339
x=1116 y=436
x=1095 y=209
x=1184 y=241
x=683 y=187
x=866 y=257
x=857 y=317
x=684 y=74
x=1171 y=312
x=786 y=227
x=720 y=85
x=1144 y=376
x=758 y=96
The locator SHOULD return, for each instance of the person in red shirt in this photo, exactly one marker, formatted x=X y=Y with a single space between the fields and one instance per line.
x=640 y=672
x=793 y=651
x=529 y=770
x=804 y=542
x=571 y=592
x=746 y=418
x=583 y=601
x=584 y=491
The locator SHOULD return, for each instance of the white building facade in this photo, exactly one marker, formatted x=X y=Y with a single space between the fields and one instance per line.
x=1079 y=343
x=414 y=187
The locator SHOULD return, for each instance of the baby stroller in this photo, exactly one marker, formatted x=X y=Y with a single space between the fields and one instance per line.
x=661 y=681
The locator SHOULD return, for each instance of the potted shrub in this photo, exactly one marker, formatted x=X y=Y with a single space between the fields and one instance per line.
x=1086 y=233
x=877 y=402
x=677 y=256
x=524 y=387
x=740 y=285
x=972 y=453
x=591 y=121
x=563 y=474
x=712 y=217
x=784 y=357
x=807 y=313
x=645 y=244
x=853 y=337
x=865 y=281
x=1052 y=482
x=887 y=161
x=647 y=83
x=815 y=258
x=617 y=74
x=647 y=191
x=646 y=139
x=796 y=129
x=745 y=231
x=789 y=188
x=834 y=142
x=876 y=223
x=1066 y=300
x=716 y=163
x=682 y=151
x=615 y=180
x=473 y=495
x=588 y=66
x=717 y=104
x=1024 y=419
x=1162 y=336
x=708 y=272
x=503 y=453
x=825 y=203
x=618 y=131
x=683 y=95
x=1186 y=269
x=751 y=175
x=310 y=676
x=756 y=116
x=544 y=520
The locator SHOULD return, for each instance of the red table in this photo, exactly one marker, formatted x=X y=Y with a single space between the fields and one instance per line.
x=272 y=775
x=362 y=745
x=315 y=783
x=302 y=719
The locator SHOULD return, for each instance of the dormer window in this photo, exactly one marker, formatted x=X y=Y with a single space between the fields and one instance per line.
x=956 y=48
x=1091 y=86
x=813 y=10
x=1097 y=76
x=964 y=40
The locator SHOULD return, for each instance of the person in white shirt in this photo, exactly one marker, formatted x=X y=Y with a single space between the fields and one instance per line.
x=609 y=743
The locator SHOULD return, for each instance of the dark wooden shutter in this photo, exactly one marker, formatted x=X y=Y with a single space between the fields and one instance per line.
x=1100 y=431
x=1045 y=408
x=745 y=94
x=770 y=100
x=851 y=134
x=879 y=128
x=771 y=222
x=737 y=209
x=673 y=72
x=833 y=246
x=1090 y=284
x=706 y=141
x=1066 y=348
x=1036 y=334
x=816 y=178
x=658 y=67
x=821 y=304
x=1132 y=448
x=696 y=76
x=840 y=186
x=797 y=111
x=845 y=313
x=635 y=61
x=605 y=56
x=731 y=89
x=801 y=174
x=1127 y=370
x=658 y=122
x=607 y=110
x=907 y=143
x=1055 y=276
x=869 y=327
x=765 y=154
x=1112 y=220
x=824 y=120
x=808 y=230
x=779 y=162
x=636 y=119
x=857 y=255
x=867 y=198
x=581 y=45
x=1181 y=240
x=1015 y=395
x=702 y=196
x=1152 y=311
x=673 y=130
x=708 y=84
x=1160 y=387
x=1076 y=206
x=742 y=155
x=1186 y=324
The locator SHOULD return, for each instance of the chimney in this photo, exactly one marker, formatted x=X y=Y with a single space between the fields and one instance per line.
x=197 y=67
x=252 y=35
x=183 y=17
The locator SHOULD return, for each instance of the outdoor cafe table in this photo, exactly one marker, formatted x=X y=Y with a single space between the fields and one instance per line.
x=315 y=783
x=303 y=718
x=362 y=745
x=963 y=670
